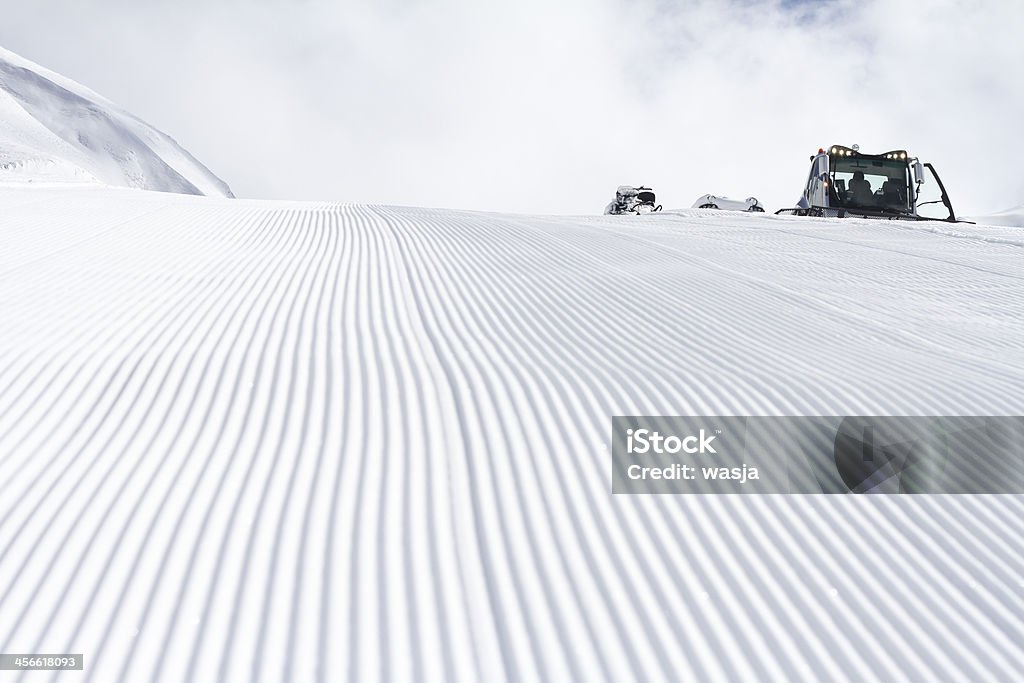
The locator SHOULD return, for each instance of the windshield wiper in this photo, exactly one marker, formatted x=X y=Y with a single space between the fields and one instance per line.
x=878 y=209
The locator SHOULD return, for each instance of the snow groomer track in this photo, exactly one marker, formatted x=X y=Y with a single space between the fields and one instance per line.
x=263 y=440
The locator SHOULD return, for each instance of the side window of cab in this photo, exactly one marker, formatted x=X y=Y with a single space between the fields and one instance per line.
x=815 y=189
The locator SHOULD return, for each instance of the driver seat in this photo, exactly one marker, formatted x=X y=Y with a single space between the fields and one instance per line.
x=892 y=196
x=860 y=188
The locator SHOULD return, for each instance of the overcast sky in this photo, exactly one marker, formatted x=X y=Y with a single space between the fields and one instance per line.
x=547 y=106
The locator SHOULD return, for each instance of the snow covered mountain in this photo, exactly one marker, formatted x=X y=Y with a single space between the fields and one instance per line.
x=53 y=129
x=247 y=440
x=267 y=440
x=1012 y=217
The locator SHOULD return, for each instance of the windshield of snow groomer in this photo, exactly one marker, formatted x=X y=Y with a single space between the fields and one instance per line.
x=871 y=183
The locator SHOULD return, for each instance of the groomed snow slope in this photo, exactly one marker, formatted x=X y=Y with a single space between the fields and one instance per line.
x=254 y=441
x=55 y=130
x=1012 y=217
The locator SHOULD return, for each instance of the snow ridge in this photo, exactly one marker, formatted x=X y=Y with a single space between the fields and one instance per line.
x=53 y=129
x=290 y=441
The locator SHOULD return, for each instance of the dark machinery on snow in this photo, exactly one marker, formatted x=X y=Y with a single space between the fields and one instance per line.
x=635 y=200
x=846 y=182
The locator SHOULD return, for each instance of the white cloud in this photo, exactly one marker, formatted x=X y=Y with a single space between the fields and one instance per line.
x=537 y=106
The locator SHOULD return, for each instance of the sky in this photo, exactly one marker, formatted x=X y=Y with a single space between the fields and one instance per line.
x=547 y=106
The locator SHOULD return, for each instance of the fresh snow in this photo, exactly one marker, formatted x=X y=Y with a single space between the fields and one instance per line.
x=1011 y=217
x=248 y=440
x=53 y=129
